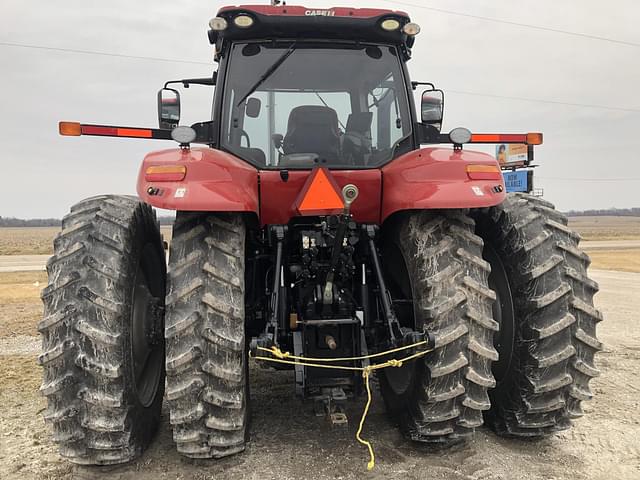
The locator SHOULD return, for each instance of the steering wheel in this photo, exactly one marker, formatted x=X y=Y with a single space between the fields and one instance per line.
x=244 y=134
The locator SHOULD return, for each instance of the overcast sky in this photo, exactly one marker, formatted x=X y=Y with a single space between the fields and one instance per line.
x=589 y=159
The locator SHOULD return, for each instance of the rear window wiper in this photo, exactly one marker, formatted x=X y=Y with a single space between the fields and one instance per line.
x=268 y=73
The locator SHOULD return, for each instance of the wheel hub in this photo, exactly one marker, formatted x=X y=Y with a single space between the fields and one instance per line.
x=146 y=339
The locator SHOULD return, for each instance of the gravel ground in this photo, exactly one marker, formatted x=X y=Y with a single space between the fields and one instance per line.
x=289 y=442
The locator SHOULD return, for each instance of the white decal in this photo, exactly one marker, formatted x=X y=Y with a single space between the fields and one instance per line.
x=320 y=13
x=478 y=191
x=180 y=192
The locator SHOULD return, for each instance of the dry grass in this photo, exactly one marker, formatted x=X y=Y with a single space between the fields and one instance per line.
x=20 y=305
x=627 y=260
x=38 y=240
x=27 y=241
x=606 y=228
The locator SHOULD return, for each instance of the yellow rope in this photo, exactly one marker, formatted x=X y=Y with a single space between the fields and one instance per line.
x=287 y=358
x=276 y=352
x=372 y=458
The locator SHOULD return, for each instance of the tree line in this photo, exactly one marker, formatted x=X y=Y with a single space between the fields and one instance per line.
x=615 y=212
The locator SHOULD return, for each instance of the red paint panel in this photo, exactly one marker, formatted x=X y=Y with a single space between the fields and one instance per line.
x=216 y=181
x=435 y=178
x=300 y=11
x=278 y=198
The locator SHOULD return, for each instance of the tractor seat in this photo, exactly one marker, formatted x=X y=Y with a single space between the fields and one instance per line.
x=313 y=129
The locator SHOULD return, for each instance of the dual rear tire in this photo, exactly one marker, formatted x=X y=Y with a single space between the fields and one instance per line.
x=105 y=340
x=506 y=293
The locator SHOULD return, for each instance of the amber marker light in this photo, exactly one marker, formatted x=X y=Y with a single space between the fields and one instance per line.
x=165 y=173
x=483 y=172
x=534 y=139
x=70 y=129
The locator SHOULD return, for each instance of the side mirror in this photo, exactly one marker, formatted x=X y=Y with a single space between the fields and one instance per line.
x=432 y=107
x=168 y=108
x=253 y=107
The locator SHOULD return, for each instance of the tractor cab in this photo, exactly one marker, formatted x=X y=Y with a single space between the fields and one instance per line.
x=299 y=88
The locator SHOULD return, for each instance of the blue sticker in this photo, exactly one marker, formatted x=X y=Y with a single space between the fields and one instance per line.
x=516 y=181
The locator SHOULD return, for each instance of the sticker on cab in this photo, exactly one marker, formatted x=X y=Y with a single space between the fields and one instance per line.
x=180 y=192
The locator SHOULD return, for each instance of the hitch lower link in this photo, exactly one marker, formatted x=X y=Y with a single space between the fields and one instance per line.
x=269 y=338
x=398 y=336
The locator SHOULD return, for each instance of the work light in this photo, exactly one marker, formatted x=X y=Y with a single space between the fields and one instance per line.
x=218 y=24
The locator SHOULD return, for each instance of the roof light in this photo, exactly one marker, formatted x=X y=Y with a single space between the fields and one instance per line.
x=390 y=24
x=411 y=29
x=460 y=135
x=218 y=24
x=165 y=173
x=243 y=21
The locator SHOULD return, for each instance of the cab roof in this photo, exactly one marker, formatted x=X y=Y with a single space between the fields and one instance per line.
x=298 y=22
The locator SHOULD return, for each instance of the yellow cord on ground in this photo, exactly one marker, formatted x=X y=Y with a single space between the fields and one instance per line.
x=287 y=358
x=372 y=458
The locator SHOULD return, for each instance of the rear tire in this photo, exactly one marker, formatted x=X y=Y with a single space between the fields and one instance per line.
x=207 y=376
x=536 y=343
x=436 y=261
x=583 y=331
x=103 y=349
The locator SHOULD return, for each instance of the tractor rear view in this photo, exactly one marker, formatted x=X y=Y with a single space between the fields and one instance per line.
x=313 y=232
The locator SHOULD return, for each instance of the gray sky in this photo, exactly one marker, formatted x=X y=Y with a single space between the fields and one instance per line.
x=589 y=159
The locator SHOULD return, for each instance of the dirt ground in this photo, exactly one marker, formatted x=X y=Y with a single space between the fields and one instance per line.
x=37 y=240
x=606 y=227
x=289 y=442
x=23 y=241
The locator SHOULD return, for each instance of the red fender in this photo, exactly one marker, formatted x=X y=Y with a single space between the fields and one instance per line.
x=215 y=181
x=436 y=178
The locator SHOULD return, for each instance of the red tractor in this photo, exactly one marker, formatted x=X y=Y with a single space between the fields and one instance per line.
x=312 y=221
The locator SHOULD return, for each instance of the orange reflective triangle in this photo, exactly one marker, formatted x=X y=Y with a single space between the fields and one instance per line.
x=320 y=195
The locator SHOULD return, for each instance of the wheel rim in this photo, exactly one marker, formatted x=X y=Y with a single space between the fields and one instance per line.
x=503 y=313
x=146 y=334
x=401 y=289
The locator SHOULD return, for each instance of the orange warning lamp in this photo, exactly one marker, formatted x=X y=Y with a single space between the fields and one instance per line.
x=320 y=194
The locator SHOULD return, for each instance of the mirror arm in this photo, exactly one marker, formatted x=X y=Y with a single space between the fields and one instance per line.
x=414 y=85
x=195 y=81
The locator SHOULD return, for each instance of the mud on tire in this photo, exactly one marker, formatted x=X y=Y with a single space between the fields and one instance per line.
x=207 y=374
x=545 y=372
x=583 y=331
x=440 y=399
x=103 y=351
